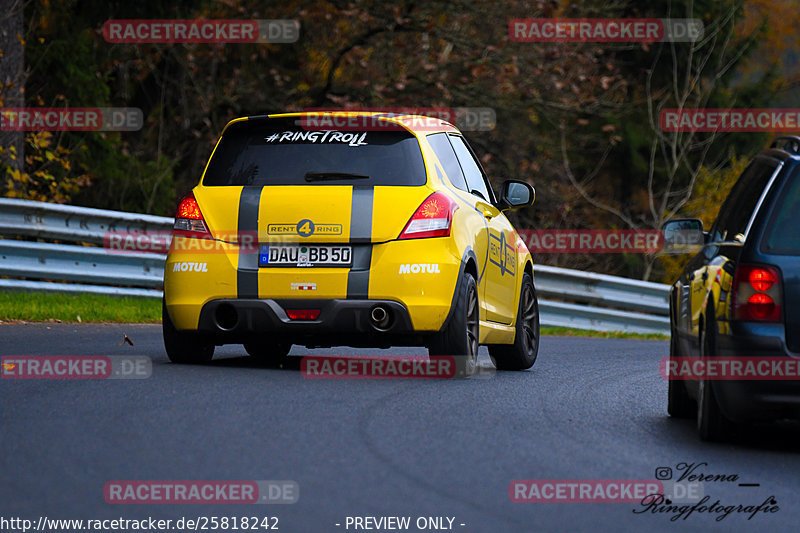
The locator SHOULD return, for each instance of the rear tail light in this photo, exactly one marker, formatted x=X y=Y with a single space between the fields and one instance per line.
x=303 y=314
x=757 y=293
x=189 y=221
x=432 y=218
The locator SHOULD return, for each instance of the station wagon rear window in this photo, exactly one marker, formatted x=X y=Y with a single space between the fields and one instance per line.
x=782 y=236
x=282 y=152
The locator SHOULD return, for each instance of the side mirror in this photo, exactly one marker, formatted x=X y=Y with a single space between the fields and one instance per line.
x=516 y=194
x=683 y=235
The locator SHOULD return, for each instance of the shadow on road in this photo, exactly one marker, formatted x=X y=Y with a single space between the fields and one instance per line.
x=289 y=363
x=782 y=436
x=446 y=367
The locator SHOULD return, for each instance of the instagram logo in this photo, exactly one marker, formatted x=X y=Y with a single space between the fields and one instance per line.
x=663 y=473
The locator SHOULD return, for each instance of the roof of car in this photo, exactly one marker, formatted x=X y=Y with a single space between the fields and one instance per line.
x=417 y=124
x=784 y=147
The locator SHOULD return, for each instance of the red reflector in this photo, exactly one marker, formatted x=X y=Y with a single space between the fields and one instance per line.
x=303 y=314
x=761 y=279
x=760 y=305
x=189 y=208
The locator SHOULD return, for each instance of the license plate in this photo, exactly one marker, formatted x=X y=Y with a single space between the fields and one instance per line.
x=304 y=255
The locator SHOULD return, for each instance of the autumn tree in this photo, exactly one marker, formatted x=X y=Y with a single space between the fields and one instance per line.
x=12 y=78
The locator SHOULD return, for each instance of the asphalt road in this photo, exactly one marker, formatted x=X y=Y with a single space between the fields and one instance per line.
x=589 y=409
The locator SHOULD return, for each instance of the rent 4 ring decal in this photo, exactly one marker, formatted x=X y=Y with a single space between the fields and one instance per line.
x=304 y=228
x=502 y=253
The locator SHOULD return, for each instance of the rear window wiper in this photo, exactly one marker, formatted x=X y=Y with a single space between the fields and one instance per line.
x=321 y=176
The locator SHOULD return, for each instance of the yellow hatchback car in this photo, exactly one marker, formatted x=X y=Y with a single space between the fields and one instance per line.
x=353 y=229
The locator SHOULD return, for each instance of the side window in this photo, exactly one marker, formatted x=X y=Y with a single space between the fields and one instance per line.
x=447 y=157
x=471 y=168
x=741 y=203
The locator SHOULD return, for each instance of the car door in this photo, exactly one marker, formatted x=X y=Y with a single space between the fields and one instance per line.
x=499 y=280
x=684 y=302
x=473 y=224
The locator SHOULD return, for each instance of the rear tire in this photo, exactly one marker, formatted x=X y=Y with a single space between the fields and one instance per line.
x=461 y=334
x=184 y=347
x=679 y=404
x=711 y=423
x=522 y=354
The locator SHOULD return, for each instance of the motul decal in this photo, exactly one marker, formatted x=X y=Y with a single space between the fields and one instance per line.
x=189 y=267
x=420 y=268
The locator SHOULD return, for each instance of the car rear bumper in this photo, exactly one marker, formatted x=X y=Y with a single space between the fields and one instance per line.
x=746 y=400
x=340 y=322
x=380 y=272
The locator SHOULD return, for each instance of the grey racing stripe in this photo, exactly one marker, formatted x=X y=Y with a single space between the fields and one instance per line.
x=247 y=273
x=360 y=238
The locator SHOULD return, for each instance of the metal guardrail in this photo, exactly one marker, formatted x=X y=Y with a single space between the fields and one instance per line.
x=568 y=298
x=601 y=302
x=69 y=223
x=99 y=270
x=560 y=314
x=80 y=263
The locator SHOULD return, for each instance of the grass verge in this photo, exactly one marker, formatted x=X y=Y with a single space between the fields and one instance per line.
x=570 y=332
x=38 y=307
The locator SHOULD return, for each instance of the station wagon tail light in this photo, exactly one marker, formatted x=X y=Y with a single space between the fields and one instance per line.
x=189 y=221
x=757 y=293
x=432 y=218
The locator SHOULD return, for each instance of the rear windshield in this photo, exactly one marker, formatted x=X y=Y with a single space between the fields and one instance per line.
x=282 y=152
x=782 y=236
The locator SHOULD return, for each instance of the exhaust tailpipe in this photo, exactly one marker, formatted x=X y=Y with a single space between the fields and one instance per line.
x=380 y=317
x=226 y=317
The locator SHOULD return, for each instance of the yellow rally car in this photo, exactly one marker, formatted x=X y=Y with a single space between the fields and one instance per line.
x=357 y=229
